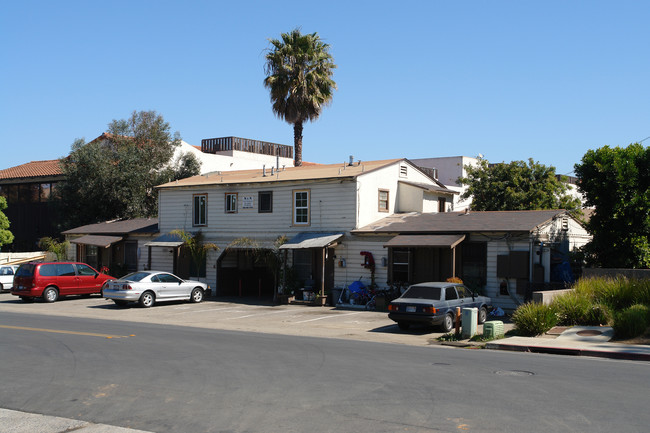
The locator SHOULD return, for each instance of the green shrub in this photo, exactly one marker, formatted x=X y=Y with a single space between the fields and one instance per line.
x=573 y=308
x=618 y=293
x=579 y=308
x=632 y=321
x=601 y=314
x=534 y=319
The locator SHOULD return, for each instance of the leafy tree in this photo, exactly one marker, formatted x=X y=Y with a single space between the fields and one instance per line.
x=60 y=249
x=616 y=181
x=6 y=237
x=299 y=72
x=114 y=177
x=186 y=165
x=197 y=247
x=515 y=186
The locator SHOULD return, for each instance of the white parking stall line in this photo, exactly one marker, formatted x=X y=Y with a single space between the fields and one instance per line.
x=331 y=316
x=236 y=309
x=260 y=314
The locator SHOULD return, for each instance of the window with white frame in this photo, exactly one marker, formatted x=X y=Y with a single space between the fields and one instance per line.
x=383 y=200
x=200 y=210
x=301 y=207
x=231 y=202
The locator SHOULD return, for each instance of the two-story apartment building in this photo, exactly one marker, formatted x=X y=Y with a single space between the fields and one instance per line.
x=315 y=207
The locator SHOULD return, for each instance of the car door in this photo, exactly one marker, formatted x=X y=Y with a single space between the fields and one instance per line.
x=66 y=279
x=465 y=297
x=451 y=298
x=87 y=278
x=174 y=287
x=158 y=286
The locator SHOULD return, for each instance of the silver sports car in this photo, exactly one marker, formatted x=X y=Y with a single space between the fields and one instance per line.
x=149 y=287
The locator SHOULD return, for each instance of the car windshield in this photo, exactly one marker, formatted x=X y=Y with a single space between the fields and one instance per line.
x=422 y=292
x=135 y=276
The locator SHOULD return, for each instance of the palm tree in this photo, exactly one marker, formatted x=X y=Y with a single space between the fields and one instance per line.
x=299 y=72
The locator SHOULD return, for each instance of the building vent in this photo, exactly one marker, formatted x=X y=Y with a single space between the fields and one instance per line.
x=403 y=171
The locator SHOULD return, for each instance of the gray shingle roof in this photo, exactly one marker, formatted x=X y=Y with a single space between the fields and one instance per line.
x=136 y=225
x=460 y=222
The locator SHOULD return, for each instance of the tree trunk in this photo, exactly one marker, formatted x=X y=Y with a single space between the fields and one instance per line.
x=297 y=144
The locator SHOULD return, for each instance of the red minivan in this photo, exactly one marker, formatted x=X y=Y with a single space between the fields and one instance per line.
x=50 y=280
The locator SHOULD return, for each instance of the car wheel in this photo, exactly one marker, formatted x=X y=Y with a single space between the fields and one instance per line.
x=120 y=303
x=27 y=299
x=403 y=325
x=197 y=295
x=448 y=323
x=50 y=294
x=147 y=299
x=482 y=315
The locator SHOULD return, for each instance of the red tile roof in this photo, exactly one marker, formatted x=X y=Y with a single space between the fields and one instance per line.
x=32 y=169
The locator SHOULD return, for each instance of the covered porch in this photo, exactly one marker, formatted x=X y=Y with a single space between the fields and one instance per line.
x=420 y=258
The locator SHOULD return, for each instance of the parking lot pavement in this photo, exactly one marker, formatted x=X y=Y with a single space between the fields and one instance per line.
x=235 y=315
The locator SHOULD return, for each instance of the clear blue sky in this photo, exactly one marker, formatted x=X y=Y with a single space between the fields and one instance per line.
x=507 y=79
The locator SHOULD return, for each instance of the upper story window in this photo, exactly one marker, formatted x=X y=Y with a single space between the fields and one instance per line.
x=301 y=207
x=231 y=202
x=383 y=200
x=265 y=202
x=28 y=192
x=442 y=204
x=200 y=210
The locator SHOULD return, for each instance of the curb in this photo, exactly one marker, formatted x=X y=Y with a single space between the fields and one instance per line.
x=631 y=356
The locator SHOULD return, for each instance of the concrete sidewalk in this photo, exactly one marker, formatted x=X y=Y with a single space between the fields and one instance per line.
x=577 y=341
x=13 y=421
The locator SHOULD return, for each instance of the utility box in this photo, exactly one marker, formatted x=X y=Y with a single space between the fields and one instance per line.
x=493 y=329
x=469 y=322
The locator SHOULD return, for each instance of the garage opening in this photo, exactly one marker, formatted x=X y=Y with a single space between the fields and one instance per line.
x=241 y=273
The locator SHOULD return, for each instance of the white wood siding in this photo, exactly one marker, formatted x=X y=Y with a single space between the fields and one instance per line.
x=494 y=249
x=369 y=185
x=350 y=250
x=402 y=198
x=332 y=208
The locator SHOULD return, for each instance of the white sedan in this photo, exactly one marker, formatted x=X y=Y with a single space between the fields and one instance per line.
x=149 y=287
x=7 y=277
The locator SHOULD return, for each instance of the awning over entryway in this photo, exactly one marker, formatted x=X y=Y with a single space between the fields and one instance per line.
x=97 y=240
x=166 y=240
x=311 y=240
x=430 y=241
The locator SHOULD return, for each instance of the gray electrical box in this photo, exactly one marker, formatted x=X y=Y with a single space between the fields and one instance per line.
x=469 y=322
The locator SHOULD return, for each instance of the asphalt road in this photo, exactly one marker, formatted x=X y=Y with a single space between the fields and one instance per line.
x=165 y=378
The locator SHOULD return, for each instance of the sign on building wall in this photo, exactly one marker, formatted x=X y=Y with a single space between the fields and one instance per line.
x=247 y=202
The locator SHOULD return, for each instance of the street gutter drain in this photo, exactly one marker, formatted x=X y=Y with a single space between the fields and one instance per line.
x=514 y=373
x=589 y=333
